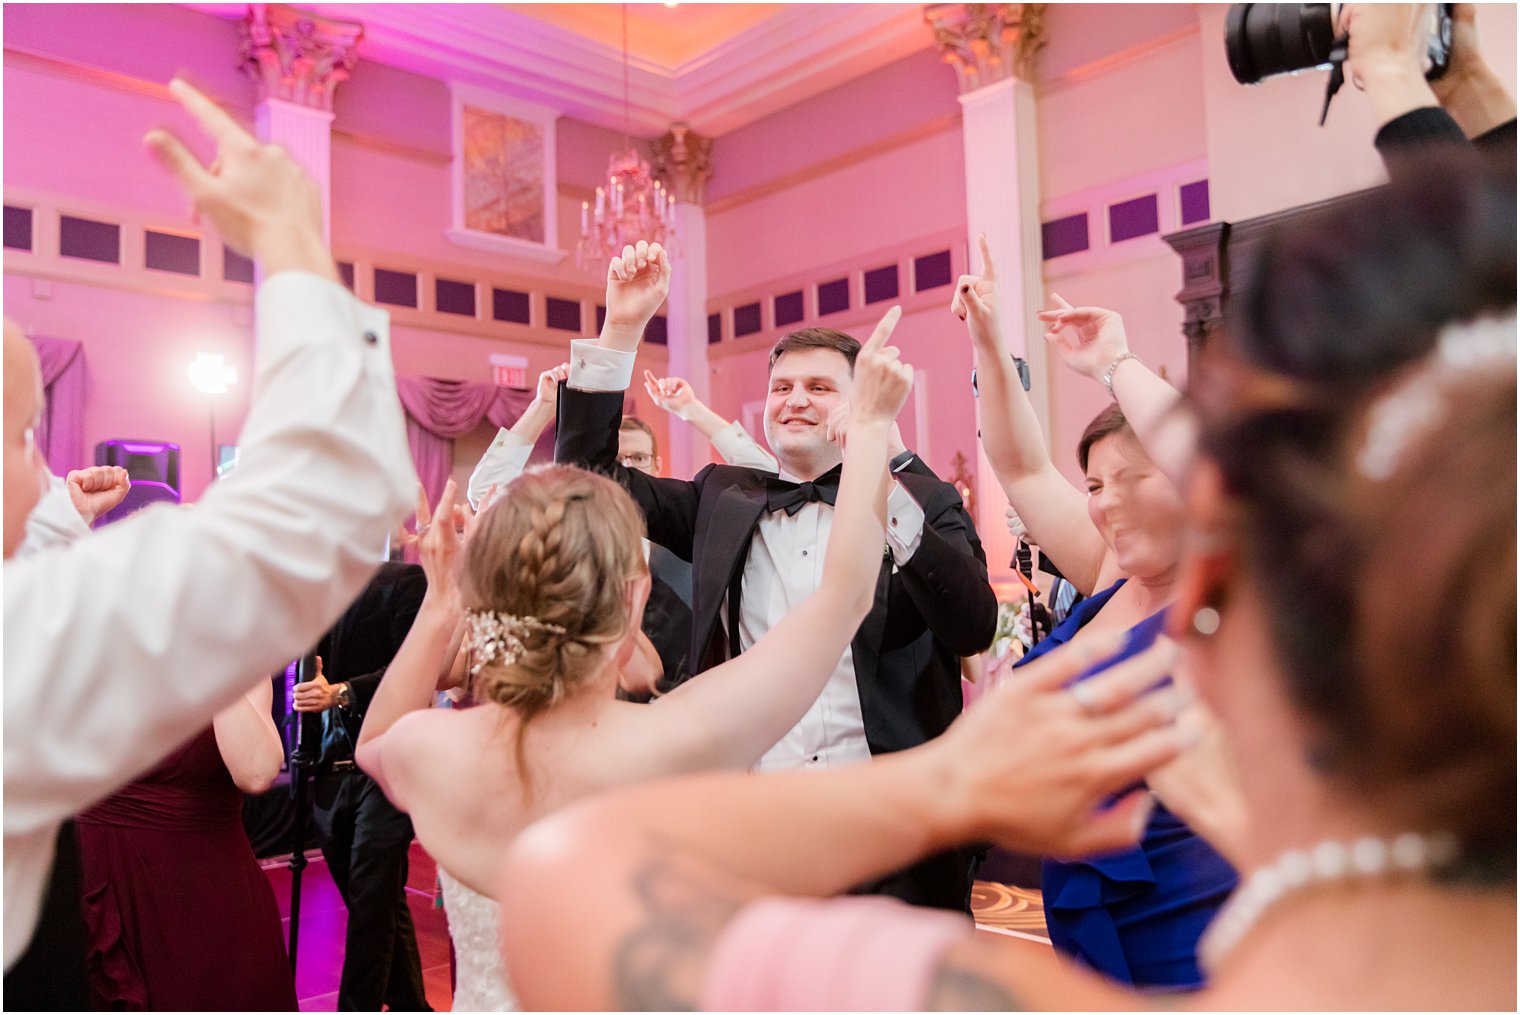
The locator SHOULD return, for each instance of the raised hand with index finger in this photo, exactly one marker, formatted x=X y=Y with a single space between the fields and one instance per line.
x=259 y=200
x=882 y=381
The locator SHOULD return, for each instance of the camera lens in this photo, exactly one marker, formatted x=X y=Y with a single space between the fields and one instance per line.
x=1266 y=39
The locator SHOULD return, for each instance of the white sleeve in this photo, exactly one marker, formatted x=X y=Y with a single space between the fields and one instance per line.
x=503 y=462
x=123 y=643
x=53 y=522
x=737 y=447
x=905 y=523
x=594 y=368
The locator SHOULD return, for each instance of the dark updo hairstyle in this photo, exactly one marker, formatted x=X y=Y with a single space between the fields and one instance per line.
x=1108 y=423
x=1372 y=590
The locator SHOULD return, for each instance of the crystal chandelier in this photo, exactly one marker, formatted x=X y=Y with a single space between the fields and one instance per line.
x=632 y=206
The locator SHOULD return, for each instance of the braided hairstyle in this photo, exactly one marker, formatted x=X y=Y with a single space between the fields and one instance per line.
x=1405 y=674
x=559 y=545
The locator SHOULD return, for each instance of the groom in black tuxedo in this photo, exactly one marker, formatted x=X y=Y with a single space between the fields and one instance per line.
x=756 y=544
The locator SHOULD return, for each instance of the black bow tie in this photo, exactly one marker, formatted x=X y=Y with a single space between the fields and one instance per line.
x=782 y=495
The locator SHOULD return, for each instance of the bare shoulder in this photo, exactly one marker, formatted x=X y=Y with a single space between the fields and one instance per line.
x=424 y=742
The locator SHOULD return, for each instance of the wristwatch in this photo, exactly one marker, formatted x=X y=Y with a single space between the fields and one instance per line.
x=342 y=697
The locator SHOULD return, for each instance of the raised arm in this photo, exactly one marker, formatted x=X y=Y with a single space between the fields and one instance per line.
x=430 y=648
x=650 y=855
x=247 y=739
x=738 y=710
x=1054 y=509
x=1091 y=341
x=1470 y=91
x=508 y=454
x=96 y=669
x=732 y=441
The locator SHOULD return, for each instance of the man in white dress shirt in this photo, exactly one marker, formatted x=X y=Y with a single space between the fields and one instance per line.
x=121 y=643
x=756 y=545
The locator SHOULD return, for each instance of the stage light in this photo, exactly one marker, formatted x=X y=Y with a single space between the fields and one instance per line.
x=212 y=374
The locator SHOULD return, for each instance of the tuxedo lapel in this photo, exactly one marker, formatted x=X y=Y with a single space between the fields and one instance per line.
x=723 y=547
x=865 y=647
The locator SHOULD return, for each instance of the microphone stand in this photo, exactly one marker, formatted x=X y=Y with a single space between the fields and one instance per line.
x=1023 y=562
x=303 y=758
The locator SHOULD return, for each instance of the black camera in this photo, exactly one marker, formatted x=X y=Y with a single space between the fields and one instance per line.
x=1263 y=40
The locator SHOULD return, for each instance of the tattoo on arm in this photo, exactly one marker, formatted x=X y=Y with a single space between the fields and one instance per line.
x=958 y=988
x=661 y=963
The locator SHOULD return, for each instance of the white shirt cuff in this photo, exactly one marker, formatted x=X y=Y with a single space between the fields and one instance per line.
x=737 y=447
x=285 y=319
x=596 y=368
x=905 y=524
x=53 y=522
x=503 y=462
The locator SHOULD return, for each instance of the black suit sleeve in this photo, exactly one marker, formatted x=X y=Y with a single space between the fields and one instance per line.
x=362 y=689
x=587 y=436
x=944 y=585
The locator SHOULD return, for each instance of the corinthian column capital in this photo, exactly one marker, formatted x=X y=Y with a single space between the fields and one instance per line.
x=988 y=42
x=297 y=56
x=683 y=162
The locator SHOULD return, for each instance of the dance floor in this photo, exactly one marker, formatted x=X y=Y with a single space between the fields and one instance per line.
x=1005 y=910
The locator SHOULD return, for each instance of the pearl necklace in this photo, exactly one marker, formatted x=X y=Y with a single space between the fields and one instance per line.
x=1328 y=863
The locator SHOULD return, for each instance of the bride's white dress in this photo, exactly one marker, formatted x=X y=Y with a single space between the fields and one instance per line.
x=480 y=979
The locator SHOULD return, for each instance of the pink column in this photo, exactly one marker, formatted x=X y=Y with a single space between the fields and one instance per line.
x=297 y=60
x=683 y=161
x=990 y=46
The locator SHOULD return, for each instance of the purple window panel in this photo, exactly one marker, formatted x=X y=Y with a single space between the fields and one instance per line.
x=931 y=271
x=833 y=296
x=89 y=240
x=18 y=228
x=167 y=252
x=788 y=307
x=1129 y=219
x=398 y=288
x=1194 y=198
x=563 y=315
x=1064 y=236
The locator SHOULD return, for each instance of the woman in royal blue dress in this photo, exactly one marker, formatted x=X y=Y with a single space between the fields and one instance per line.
x=1137 y=914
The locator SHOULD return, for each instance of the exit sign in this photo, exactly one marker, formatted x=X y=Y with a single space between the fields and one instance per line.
x=509 y=371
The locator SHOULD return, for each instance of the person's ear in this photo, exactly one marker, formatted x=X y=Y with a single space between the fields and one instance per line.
x=1210 y=557
x=635 y=597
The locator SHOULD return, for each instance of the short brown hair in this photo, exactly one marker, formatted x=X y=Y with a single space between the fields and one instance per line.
x=1105 y=424
x=816 y=338
x=634 y=423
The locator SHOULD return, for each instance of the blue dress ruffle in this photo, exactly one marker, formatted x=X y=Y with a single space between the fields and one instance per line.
x=1134 y=915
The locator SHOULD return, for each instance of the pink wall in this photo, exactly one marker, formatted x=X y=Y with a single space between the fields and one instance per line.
x=899 y=96
x=857 y=196
x=137 y=352
x=104 y=66
x=1266 y=150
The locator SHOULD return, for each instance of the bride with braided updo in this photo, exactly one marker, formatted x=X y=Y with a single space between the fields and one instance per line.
x=547 y=592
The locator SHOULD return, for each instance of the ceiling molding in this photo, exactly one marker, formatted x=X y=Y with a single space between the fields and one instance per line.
x=800 y=51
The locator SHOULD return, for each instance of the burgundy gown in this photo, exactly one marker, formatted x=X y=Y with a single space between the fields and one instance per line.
x=178 y=915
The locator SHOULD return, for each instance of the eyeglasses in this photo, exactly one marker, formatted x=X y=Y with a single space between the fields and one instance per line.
x=637 y=459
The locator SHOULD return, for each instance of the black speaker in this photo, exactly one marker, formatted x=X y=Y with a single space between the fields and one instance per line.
x=145 y=461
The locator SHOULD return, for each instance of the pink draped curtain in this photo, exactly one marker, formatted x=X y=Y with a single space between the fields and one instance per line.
x=60 y=433
x=439 y=412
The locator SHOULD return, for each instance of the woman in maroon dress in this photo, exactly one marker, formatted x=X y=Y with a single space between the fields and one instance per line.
x=179 y=916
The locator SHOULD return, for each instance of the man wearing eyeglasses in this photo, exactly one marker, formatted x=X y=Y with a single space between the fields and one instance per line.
x=667 y=615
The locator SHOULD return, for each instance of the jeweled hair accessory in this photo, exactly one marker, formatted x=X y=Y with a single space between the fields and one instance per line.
x=1416 y=406
x=494 y=637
